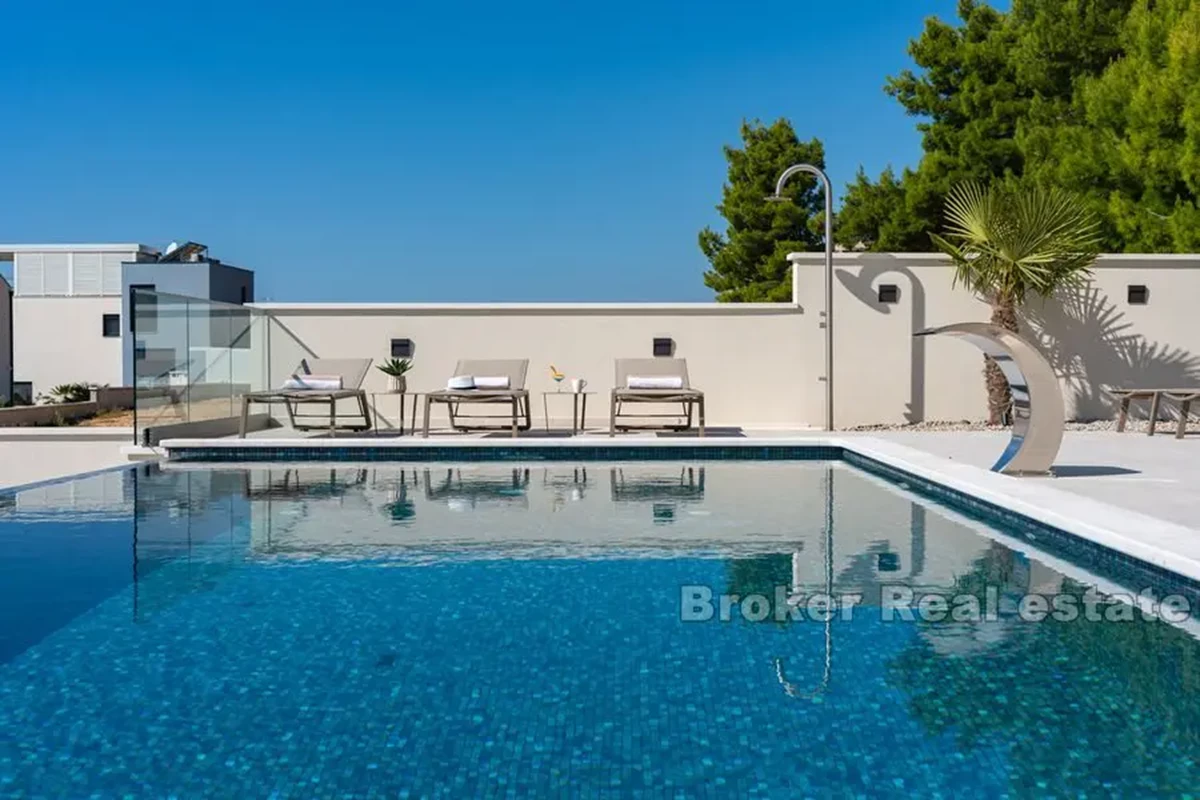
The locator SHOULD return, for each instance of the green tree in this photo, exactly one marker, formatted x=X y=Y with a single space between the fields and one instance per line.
x=1130 y=142
x=978 y=86
x=968 y=105
x=876 y=214
x=1008 y=241
x=749 y=261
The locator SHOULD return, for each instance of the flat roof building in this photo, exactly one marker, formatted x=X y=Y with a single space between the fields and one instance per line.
x=69 y=315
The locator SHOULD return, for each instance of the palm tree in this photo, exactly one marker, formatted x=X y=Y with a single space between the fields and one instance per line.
x=1007 y=241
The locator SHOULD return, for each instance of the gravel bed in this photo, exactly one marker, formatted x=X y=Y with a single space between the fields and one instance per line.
x=1133 y=425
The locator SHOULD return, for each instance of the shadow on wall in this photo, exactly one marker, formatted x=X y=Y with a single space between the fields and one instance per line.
x=1090 y=344
x=862 y=286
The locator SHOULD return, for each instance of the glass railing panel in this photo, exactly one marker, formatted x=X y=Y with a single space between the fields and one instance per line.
x=160 y=359
x=195 y=360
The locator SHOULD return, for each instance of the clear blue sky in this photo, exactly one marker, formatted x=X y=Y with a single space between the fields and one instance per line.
x=394 y=151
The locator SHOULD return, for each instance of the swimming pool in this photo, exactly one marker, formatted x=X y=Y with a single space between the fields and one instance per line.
x=598 y=629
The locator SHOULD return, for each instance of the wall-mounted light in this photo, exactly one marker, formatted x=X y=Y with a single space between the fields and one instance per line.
x=889 y=293
x=889 y=562
x=402 y=348
x=664 y=346
x=1138 y=295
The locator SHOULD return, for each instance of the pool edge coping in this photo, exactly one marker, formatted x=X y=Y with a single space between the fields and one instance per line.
x=91 y=473
x=1163 y=544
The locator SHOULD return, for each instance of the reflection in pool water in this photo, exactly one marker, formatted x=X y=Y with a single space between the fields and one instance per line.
x=491 y=629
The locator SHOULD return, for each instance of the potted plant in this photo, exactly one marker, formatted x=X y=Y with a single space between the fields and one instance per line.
x=395 y=369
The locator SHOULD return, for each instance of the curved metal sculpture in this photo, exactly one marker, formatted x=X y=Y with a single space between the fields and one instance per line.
x=1038 y=412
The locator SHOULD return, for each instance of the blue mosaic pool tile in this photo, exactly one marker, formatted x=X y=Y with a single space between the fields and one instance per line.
x=1110 y=563
x=250 y=659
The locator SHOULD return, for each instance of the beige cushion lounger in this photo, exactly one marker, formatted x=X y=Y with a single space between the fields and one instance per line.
x=654 y=368
x=1182 y=396
x=352 y=371
x=516 y=396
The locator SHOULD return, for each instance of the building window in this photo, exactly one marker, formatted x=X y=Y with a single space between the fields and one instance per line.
x=112 y=326
x=22 y=393
x=143 y=305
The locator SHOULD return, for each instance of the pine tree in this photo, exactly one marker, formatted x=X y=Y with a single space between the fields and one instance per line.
x=749 y=261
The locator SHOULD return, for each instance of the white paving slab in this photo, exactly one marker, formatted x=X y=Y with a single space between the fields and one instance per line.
x=1155 y=475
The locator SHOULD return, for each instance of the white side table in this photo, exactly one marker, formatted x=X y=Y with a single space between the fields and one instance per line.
x=412 y=427
x=578 y=409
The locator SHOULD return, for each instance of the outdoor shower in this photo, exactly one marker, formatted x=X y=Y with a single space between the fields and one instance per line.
x=777 y=198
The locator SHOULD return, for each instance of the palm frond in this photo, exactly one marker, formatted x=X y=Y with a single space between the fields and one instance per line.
x=1011 y=242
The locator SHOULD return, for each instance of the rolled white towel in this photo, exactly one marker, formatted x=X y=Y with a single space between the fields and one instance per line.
x=654 y=382
x=460 y=382
x=324 y=383
x=491 y=382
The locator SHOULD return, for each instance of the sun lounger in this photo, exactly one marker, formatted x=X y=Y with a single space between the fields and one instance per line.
x=658 y=381
x=1182 y=396
x=325 y=373
x=497 y=382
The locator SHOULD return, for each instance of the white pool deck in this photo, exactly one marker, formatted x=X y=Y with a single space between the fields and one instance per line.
x=1155 y=475
x=1135 y=493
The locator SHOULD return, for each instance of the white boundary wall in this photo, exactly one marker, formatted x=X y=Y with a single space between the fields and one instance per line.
x=1093 y=337
x=746 y=358
x=761 y=365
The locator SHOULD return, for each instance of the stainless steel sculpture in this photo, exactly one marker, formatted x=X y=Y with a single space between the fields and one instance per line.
x=1038 y=414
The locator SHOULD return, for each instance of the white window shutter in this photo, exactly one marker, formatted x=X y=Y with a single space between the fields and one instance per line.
x=86 y=274
x=111 y=280
x=57 y=274
x=29 y=273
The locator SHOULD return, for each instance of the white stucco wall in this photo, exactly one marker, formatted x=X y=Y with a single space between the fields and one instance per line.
x=762 y=366
x=748 y=359
x=1093 y=336
x=60 y=340
x=5 y=340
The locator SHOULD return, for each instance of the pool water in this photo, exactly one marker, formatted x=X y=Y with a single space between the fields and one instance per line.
x=502 y=630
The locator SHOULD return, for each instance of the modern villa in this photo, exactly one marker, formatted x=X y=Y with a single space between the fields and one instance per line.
x=760 y=364
x=314 y=551
x=807 y=410
x=70 y=306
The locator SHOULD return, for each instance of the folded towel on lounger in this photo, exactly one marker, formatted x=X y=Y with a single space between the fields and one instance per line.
x=654 y=382
x=491 y=382
x=325 y=383
x=460 y=382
